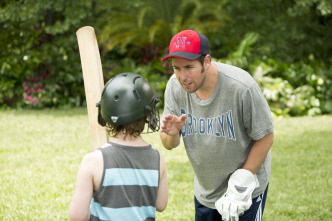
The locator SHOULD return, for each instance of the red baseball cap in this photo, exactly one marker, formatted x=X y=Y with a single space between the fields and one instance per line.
x=189 y=45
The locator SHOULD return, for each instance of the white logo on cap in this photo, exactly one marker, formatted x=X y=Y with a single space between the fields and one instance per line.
x=181 y=42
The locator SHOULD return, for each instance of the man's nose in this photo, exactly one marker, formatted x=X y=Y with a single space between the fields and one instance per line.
x=183 y=75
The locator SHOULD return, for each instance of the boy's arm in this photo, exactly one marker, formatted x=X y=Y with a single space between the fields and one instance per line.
x=79 y=208
x=162 y=198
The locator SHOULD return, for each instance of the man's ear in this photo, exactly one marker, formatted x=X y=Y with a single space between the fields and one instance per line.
x=207 y=61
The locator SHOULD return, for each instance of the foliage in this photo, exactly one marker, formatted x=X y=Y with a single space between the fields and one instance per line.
x=301 y=88
x=141 y=32
x=286 y=97
x=239 y=57
x=153 y=22
x=310 y=82
x=285 y=45
x=40 y=62
x=290 y=30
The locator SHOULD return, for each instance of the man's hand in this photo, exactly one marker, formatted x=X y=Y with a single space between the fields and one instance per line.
x=171 y=124
x=169 y=130
x=237 y=198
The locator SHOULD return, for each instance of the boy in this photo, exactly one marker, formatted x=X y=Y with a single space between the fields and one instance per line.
x=126 y=178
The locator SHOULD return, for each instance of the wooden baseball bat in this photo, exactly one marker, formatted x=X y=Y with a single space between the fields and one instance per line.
x=93 y=81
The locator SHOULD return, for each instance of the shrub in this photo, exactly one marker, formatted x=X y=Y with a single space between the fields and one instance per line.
x=296 y=89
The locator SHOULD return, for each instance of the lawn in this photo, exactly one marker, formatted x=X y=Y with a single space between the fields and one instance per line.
x=40 y=151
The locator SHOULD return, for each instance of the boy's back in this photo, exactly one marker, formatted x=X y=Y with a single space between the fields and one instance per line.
x=131 y=176
x=126 y=178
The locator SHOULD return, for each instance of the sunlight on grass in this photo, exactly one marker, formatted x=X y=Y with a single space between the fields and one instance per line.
x=300 y=186
x=40 y=152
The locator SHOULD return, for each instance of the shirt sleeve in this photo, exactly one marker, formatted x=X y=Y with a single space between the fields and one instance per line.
x=257 y=117
x=170 y=103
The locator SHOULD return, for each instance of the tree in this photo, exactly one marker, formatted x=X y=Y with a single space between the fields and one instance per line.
x=290 y=30
x=153 y=22
x=39 y=62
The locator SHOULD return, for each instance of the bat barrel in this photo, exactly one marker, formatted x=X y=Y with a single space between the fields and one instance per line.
x=93 y=81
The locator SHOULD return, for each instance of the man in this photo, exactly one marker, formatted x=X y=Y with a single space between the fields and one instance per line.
x=126 y=178
x=227 y=130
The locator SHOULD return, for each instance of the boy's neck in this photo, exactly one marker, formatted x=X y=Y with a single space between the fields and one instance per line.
x=129 y=140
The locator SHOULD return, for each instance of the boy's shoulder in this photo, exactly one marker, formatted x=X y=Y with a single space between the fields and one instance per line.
x=92 y=156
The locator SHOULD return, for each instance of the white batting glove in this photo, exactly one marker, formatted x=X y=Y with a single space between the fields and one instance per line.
x=237 y=198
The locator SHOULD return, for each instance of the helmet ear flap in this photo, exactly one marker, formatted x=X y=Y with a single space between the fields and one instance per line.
x=101 y=121
x=147 y=109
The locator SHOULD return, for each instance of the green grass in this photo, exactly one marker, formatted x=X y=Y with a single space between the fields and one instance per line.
x=40 y=152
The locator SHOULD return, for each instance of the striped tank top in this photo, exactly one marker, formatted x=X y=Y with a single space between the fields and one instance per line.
x=129 y=185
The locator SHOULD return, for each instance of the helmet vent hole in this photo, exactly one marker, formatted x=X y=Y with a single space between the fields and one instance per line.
x=134 y=81
x=116 y=97
x=136 y=95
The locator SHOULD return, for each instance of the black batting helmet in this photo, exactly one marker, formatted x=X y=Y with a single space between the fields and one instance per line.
x=128 y=97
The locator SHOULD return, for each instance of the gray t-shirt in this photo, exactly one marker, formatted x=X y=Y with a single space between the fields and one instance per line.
x=219 y=132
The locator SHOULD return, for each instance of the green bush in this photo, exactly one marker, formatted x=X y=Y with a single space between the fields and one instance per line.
x=39 y=60
x=295 y=89
x=40 y=64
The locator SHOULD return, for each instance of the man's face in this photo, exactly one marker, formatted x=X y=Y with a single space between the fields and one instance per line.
x=190 y=74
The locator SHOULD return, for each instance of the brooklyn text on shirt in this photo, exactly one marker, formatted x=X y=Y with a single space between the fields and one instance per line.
x=219 y=126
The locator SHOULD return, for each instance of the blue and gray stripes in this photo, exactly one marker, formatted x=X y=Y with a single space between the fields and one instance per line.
x=129 y=185
x=120 y=214
x=128 y=176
